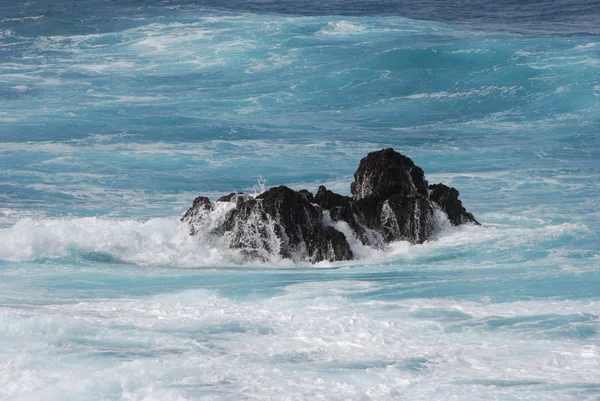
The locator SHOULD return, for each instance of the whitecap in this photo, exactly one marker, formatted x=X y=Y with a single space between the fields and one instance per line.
x=343 y=28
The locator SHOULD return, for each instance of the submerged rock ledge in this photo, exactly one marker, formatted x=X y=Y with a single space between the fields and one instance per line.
x=391 y=201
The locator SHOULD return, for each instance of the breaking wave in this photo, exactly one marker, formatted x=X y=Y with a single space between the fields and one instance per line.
x=166 y=242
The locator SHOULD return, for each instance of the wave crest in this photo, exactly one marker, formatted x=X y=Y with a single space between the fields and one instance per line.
x=166 y=242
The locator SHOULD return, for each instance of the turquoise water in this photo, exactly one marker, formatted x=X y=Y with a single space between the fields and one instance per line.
x=114 y=117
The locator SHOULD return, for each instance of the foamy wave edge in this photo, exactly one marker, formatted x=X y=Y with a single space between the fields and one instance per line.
x=166 y=242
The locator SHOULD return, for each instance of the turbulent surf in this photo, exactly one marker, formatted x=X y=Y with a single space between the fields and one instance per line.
x=115 y=116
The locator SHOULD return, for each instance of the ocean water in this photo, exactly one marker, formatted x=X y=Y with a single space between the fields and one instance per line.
x=115 y=115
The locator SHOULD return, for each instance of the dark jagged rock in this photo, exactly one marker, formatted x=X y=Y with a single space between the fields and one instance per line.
x=297 y=219
x=201 y=203
x=391 y=192
x=405 y=218
x=391 y=201
x=196 y=214
x=385 y=173
x=343 y=208
x=228 y=198
x=280 y=221
x=329 y=244
x=308 y=195
x=299 y=223
x=328 y=199
x=447 y=199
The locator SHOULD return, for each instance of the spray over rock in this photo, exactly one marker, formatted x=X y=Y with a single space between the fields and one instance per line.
x=391 y=201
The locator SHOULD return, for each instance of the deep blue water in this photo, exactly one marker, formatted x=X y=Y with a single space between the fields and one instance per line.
x=114 y=115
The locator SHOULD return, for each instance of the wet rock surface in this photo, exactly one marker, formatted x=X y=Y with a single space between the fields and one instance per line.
x=446 y=198
x=391 y=201
x=385 y=173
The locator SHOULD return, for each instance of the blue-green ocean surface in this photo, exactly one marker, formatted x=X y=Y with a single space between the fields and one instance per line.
x=115 y=115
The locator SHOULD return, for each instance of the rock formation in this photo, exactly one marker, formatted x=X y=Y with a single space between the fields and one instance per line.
x=391 y=201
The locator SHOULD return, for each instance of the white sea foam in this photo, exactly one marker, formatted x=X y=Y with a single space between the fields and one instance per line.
x=314 y=340
x=483 y=91
x=101 y=68
x=208 y=151
x=166 y=242
x=19 y=19
x=156 y=242
x=21 y=88
x=8 y=119
x=269 y=63
x=588 y=46
x=470 y=51
x=343 y=28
